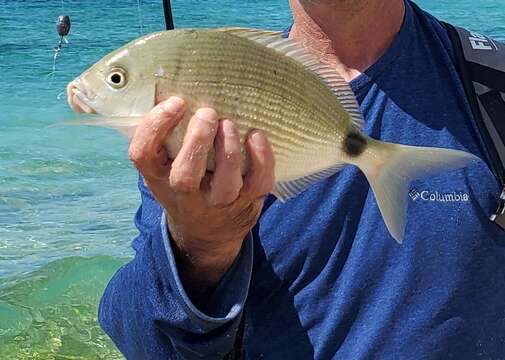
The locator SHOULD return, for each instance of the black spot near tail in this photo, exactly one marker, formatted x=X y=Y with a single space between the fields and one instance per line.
x=354 y=144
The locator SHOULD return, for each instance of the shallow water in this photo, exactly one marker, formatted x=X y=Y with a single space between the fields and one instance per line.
x=67 y=194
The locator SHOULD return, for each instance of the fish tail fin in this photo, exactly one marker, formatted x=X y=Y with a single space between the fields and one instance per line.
x=389 y=169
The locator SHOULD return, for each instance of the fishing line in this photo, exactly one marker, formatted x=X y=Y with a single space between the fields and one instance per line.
x=63 y=28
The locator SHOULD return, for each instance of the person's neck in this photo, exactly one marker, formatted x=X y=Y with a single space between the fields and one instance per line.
x=349 y=36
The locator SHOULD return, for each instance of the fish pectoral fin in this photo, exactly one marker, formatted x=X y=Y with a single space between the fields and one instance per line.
x=125 y=125
x=285 y=190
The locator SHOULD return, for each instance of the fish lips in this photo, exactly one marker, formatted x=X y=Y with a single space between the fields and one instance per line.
x=78 y=100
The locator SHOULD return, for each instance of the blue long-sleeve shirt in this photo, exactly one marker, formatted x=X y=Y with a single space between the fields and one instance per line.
x=320 y=276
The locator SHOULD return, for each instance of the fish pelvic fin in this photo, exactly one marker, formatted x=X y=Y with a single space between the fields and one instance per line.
x=389 y=168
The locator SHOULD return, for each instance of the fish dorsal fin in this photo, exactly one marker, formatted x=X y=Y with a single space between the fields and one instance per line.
x=289 y=47
x=261 y=36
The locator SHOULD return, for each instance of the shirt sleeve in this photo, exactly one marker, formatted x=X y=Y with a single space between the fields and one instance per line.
x=146 y=310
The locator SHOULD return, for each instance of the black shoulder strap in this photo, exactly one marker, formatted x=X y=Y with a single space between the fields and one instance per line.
x=480 y=62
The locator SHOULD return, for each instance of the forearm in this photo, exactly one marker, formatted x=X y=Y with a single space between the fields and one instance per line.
x=189 y=289
x=146 y=308
x=202 y=264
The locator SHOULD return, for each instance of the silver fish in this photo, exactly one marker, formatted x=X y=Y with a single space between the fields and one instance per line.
x=260 y=81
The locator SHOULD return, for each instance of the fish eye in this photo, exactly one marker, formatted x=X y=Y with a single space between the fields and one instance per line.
x=117 y=78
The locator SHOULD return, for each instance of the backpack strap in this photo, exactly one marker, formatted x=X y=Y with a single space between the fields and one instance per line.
x=480 y=62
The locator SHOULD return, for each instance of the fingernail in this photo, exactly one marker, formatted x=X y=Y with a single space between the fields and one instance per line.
x=229 y=129
x=258 y=139
x=174 y=104
x=207 y=114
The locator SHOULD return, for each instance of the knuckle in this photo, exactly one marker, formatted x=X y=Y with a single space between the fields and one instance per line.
x=222 y=201
x=264 y=165
x=137 y=155
x=202 y=134
x=233 y=159
x=196 y=153
x=246 y=217
x=184 y=183
x=258 y=184
x=221 y=197
x=157 y=120
x=158 y=173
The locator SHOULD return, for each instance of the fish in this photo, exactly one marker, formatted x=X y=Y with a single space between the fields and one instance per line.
x=259 y=80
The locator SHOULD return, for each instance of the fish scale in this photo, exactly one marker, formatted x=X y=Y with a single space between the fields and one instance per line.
x=251 y=101
x=294 y=86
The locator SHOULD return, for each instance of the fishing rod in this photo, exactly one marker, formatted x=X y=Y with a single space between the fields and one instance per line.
x=167 y=10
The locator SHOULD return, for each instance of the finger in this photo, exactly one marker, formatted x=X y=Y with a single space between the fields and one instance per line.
x=160 y=166
x=260 y=176
x=227 y=180
x=162 y=157
x=190 y=164
x=157 y=124
x=147 y=150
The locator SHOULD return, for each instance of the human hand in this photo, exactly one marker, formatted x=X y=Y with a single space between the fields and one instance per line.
x=208 y=215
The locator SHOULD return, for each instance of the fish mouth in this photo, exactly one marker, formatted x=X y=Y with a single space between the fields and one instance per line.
x=78 y=99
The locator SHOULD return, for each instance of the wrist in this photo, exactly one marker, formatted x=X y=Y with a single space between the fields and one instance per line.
x=202 y=262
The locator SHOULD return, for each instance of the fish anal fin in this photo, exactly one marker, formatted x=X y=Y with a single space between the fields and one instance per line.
x=285 y=190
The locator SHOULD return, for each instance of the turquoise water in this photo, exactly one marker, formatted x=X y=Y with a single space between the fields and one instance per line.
x=68 y=194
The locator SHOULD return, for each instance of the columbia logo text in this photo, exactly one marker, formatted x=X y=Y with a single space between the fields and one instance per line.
x=435 y=196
